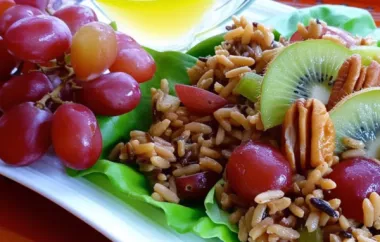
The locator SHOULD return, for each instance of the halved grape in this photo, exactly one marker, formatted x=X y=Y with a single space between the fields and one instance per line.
x=199 y=100
x=76 y=136
x=24 y=134
x=111 y=94
x=75 y=16
x=5 y=4
x=356 y=178
x=8 y=62
x=41 y=4
x=26 y=88
x=256 y=167
x=195 y=187
x=38 y=38
x=16 y=13
x=93 y=51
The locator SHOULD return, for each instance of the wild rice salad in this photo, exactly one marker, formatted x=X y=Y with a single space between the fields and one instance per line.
x=201 y=136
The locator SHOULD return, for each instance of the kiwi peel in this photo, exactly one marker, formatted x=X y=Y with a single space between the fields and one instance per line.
x=304 y=69
x=358 y=116
x=250 y=86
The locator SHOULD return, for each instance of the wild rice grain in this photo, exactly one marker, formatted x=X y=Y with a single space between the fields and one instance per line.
x=362 y=238
x=224 y=61
x=115 y=152
x=187 y=170
x=335 y=238
x=157 y=197
x=235 y=33
x=198 y=128
x=368 y=211
x=258 y=214
x=268 y=196
x=353 y=143
x=241 y=60
x=375 y=200
x=143 y=148
x=296 y=210
x=353 y=153
x=159 y=128
x=312 y=221
x=260 y=228
x=235 y=216
x=209 y=164
x=205 y=151
x=343 y=222
x=278 y=205
x=166 y=193
x=240 y=119
x=160 y=162
x=283 y=232
x=237 y=71
x=327 y=184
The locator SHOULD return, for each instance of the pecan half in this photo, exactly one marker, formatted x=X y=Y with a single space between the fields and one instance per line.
x=308 y=135
x=352 y=77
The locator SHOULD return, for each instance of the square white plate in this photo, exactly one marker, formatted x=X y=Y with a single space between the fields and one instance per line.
x=114 y=215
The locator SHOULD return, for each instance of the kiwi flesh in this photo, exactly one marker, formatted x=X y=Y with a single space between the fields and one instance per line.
x=358 y=116
x=368 y=53
x=304 y=69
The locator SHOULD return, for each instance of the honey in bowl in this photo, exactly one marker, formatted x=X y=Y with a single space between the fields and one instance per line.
x=159 y=24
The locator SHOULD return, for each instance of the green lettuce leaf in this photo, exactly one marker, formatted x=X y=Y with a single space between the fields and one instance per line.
x=206 y=47
x=207 y=229
x=216 y=214
x=354 y=20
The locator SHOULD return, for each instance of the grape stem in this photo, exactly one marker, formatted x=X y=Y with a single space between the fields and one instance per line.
x=55 y=95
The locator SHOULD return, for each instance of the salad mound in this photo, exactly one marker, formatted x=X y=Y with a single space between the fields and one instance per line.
x=276 y=182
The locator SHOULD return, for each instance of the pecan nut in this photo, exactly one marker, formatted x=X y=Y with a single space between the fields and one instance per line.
x=352 y=77
x=308 y=135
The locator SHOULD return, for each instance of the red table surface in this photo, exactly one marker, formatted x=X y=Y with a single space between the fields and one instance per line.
x=26 y=216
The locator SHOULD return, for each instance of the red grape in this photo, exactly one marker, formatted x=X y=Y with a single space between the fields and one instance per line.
x=75 y=16
x=110 y=94
x=136 y=62
x=125 y=41
x=16 y=13
x=24 y=134
x=5 y=4
x=28 y=66
x=76 y=136
x=93 y=51
x=26 y=88
x=198 y=100
x=196 y=186
x=38 y=39
x=41 y=4
x=355 y=178
x=255 y=167
x=8 y=62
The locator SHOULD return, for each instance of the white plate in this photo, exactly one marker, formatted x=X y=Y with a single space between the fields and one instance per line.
x=116 y=218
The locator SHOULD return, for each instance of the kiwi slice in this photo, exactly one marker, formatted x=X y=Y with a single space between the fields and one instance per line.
x=304 y=69
x=358 y=116
x=368 y=53
x=250 y=86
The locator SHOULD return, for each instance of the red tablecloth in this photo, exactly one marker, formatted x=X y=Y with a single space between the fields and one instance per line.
x=26 y=216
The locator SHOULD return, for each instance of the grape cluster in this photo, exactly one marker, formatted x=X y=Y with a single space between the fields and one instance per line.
x=58 y=70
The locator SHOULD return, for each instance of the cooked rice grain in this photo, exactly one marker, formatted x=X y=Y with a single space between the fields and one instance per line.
x=166 y=193
x=268 y=196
